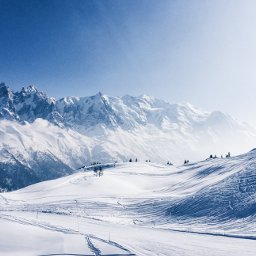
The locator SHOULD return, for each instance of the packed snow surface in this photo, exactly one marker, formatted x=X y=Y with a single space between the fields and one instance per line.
x=137 y=209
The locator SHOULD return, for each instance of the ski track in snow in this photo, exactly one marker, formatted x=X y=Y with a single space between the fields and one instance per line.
x=112 y=243
x=89 y=237
x=93 y=249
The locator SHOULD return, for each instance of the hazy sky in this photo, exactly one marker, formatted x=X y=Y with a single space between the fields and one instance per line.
x=202 y=52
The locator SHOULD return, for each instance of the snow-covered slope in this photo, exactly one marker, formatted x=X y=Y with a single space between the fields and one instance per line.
x=142 y=209
x=36 y=130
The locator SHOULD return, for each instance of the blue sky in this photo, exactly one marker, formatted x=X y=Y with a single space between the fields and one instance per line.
x=202 y=52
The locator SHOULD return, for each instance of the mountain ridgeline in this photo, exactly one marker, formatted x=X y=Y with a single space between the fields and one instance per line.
x=126 y=112
x=43 y=138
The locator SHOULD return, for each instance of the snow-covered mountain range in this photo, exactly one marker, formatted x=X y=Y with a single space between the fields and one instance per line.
x=43 y=138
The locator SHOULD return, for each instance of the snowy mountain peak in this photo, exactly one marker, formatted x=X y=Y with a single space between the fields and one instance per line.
x=7 y=109
x=5 y=91
x=2 y=85
x=99 y=94
x=147 y=97
x=29 y=89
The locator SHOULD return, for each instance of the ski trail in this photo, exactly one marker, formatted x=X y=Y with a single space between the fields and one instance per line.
x=4 y=199
x=96 y=251
x=43 y=225
x=114 y=244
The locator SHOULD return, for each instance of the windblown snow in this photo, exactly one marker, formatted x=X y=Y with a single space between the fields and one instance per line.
x=139 y=208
